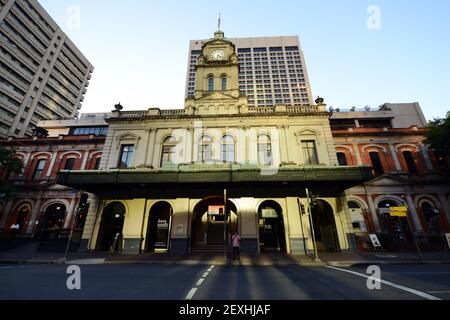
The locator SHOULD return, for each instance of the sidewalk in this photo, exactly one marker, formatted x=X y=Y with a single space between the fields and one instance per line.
x=331 y=259
x=384 y=258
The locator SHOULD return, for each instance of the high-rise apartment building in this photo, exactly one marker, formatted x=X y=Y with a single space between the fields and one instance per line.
x=42 y=73
x=272 y=70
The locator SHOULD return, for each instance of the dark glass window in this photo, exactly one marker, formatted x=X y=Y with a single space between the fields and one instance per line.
x=342 y=159
x=39 y=169
x=210 y=83
x=228 y=149
x=409 y=159
x=97 y=163
x=310 y=152
x=224 y=83
x=265 y=150
x=126 y=156
x=70 y=163
x=376 y=163
x=168 y=151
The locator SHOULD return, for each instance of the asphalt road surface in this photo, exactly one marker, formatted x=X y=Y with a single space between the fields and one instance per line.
x=184 y=282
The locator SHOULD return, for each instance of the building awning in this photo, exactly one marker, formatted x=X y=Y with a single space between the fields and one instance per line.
x=206 y=180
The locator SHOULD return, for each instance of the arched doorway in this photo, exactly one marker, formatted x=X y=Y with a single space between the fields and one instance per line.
x=21 y=217
x=325 y=227
x=53 y=222
x=112 y=226
x=358 y=217
x=397 y=227
x=159 y=227
x=208 y=223
x=271 y=227
x=432 y=216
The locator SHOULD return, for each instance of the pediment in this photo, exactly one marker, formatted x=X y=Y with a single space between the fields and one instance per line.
x=307 y=132
x=388 y=180
x=216 y=96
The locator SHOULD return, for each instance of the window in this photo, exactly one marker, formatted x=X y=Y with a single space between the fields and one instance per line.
x=168 y=151
x=210 y=83
x=342 y=159
x=126 y=156
x=39 y=169
x=97 y=163
x=376 y=163
x=224 y=82
x=70 y=163
x=310 y=152
x=228 y=150
x=411 y=164
x=205 y=153
x=265 y=150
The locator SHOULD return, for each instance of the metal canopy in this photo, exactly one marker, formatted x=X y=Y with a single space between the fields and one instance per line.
x=203 y=181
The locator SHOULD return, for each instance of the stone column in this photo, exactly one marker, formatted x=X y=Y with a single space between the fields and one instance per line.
x=92 y=220
x=426 y=156
x=445 y=205
x=357 y=154
x=6 y=214
x=70 y=213
x=35 y=214
x=398 y=167
x=282 y=144
x=373 y=213
x=52 y=164
x=413 y=213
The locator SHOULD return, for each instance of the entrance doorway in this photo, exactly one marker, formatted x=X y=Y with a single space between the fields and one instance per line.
x=53 y=222
x=111 y=227
x=159 y=227
x=208 y=223
x=325 y=227
x=271 y=227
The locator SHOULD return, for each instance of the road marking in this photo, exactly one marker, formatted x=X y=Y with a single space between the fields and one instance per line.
x=6 y=267
x=438 y=292
x=194 y=290
x=391 y=284
x=191 y=293
x=199 y=283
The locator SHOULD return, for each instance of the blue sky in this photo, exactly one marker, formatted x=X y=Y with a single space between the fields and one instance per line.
x=139 y=48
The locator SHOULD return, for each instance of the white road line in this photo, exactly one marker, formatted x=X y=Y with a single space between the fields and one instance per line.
x=199 y=283
x=413 y=291
x=194 y=290
x=191 y=293
x=6 y=267
x=438 y=292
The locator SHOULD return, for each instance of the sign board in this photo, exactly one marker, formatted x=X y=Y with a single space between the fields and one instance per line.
x=398 y=212
x=375 y=241
x=269 y=214
x=447 y=236
x=215 y=210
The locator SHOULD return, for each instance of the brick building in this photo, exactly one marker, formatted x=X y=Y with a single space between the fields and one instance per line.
x=38 y=204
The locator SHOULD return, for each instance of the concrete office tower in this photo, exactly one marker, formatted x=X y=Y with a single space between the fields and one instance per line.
x=42 y=73
x=272 y=71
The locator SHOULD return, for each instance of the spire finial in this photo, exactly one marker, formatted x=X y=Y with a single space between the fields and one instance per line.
x=220 y=20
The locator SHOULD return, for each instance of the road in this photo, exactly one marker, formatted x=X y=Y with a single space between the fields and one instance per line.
x=181 y=282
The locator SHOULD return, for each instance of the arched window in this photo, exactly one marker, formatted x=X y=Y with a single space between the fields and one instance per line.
x=265 y=150
x=205 y=151
x=228 y=151
x=224 y=83
x=376 y=163
x=210 y=83
x=39 y=169
x=342 y=159
x=410 y=163
x=168 y=151
x=70 y=164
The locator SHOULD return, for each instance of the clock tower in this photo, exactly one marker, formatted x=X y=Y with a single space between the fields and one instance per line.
x=217 y=79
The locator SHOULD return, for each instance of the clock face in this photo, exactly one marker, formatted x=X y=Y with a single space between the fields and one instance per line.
x=218 y=55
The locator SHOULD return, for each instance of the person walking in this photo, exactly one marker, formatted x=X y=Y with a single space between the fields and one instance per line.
x=236 y=246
